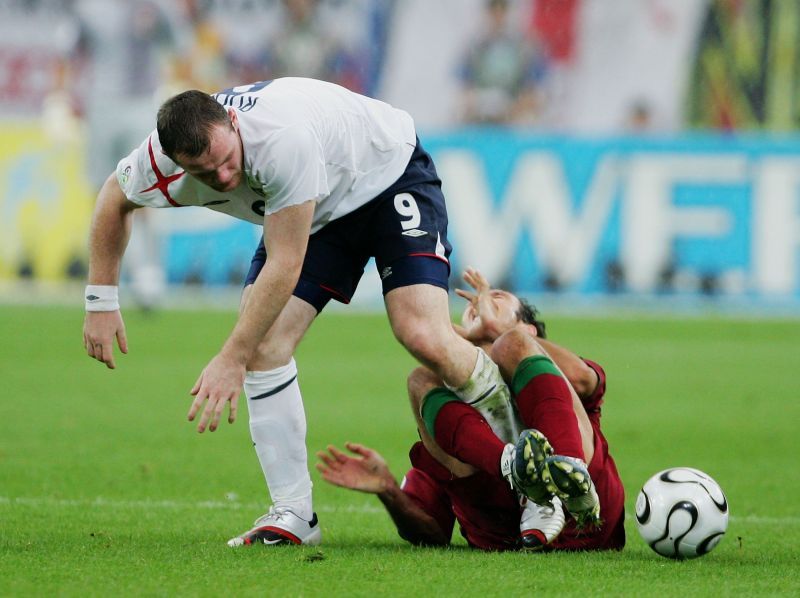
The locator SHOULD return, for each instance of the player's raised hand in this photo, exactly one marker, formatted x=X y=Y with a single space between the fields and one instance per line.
x=476 y=280
x=366 y=472
x=99 y=330
x=487 y=325
x=219 y=383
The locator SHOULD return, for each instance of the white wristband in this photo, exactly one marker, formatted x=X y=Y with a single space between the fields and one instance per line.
x=100 y=297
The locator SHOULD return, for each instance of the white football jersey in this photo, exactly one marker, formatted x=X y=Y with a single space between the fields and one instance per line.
x=303 y=140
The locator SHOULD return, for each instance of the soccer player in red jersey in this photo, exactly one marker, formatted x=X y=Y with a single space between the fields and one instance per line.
x=455 y=474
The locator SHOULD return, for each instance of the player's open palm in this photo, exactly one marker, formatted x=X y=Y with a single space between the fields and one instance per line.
x=99 y=330
x=367 y=471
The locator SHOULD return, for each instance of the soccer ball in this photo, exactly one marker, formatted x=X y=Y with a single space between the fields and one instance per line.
x=681 y=513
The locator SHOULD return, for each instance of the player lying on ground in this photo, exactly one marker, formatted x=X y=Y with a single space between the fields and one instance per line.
x=458 y=467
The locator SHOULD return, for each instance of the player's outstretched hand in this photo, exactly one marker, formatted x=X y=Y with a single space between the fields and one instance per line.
x=220 y=382
x=488 y=325
x=99 y=330
x=366 y=471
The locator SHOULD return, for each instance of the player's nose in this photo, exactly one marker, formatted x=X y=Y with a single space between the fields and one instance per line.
x=225 y=176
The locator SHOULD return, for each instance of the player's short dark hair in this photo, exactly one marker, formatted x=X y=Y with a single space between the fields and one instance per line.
x=184 y=123
x=528 y=314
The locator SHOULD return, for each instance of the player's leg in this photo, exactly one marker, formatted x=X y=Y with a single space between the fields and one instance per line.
x=459 y=438
x=420 y=383
x=278 y=431
x=275 y=403
x=420 y=319
x=458 y=434
x=331 y=270
x=544 y=398
x=547 y=403
x=405 y=229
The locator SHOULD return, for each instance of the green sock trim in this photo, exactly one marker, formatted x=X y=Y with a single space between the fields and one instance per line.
x=432 y=403
x=529 y=368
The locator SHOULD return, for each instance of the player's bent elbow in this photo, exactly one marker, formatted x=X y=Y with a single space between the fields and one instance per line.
x=582 y=378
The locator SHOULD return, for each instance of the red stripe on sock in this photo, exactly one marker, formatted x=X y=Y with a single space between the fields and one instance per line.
x=545 y=403
x=463 y=433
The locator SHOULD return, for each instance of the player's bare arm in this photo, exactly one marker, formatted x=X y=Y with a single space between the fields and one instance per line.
x=581 y=377
x=110 y=229
x=286 y=235
x=367 y=472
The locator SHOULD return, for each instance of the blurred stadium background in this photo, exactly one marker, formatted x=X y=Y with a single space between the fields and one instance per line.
x=635 y=151
x=628 y=158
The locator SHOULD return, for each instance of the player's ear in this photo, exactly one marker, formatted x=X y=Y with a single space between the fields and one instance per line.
x=234 y=119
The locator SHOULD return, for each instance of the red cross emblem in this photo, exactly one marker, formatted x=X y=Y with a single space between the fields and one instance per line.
x=162 y=182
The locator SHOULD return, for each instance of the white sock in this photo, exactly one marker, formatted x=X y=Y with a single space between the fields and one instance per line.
x=278 y=430
x=488 y=393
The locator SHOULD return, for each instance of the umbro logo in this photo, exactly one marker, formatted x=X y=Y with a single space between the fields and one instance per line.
x=414 y=232
x=92 y=297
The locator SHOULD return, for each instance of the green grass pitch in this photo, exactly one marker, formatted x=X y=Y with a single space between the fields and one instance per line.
x=105 y=488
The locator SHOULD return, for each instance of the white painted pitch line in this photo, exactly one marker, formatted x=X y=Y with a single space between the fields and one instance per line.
x=100 y=502
x=362 y=508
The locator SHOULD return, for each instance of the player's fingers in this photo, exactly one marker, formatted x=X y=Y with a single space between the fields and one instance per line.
x=217 y=413
x=325 y=458
x=207 y=413
x=102 y=352
x=234 y=409
x=195 y=406
x=328 y=460
x=122 y=340
x=329 y=476
x=339 y=455
x=471 y=297
x=108 y=355
x=358 y=449
x=197 y=384
x=468 y=277
x=89 y=346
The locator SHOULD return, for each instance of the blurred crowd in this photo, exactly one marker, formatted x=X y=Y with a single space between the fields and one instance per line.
x=579 y=65
x=92 y=73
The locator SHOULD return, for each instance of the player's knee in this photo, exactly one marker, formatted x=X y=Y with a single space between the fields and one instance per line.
x=270 y=355
x=420 y=382
x=424 y=345
x=511 y=348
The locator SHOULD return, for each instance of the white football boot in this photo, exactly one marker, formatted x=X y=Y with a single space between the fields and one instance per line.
x=540 y=524
x=280 y=526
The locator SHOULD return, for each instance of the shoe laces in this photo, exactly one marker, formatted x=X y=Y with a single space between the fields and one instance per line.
x=275 y=514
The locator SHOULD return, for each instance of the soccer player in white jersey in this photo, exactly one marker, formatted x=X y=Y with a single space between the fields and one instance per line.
x=335 y=178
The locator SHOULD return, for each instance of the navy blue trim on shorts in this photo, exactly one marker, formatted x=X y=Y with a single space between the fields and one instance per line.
x=417 y=269
x=339 y=251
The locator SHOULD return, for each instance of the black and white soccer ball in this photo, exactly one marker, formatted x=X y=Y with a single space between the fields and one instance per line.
x=681 y=513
